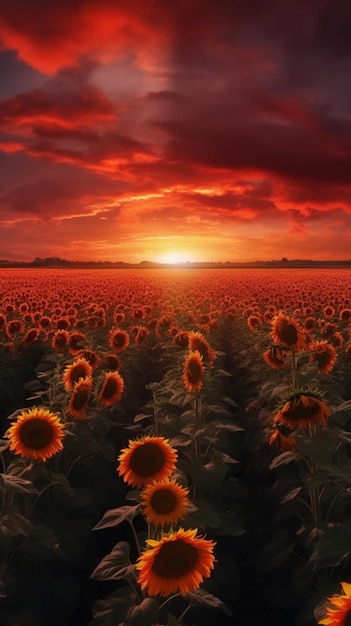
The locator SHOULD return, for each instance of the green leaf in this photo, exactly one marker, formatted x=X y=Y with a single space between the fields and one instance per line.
x=15 y=483
x=291 y=495
x=333 y=546
x=275 y=552
x=115 y=608
x=114 y=517
x=115 y=565
x=145 y=614
x=284 y=459
x=202 y=597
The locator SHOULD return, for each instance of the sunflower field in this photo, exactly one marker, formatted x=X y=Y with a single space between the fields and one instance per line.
x=175 y=447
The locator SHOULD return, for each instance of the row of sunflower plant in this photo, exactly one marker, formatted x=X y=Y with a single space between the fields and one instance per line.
x=59 y=474
x=181 y=495
x=306 y=419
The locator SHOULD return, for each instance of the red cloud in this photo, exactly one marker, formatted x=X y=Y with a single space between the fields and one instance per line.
x=67 y=110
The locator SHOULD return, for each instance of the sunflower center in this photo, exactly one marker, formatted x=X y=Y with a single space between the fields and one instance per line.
x=175 y=559
x=147 y=459
x=347 y=620
x=110 y=388
x=80 y=399
x=79 y=371
x=298 y=410
x=287 y=333
x=322 y=358
x=119 y=340
x=163 y=501
x=36 y=434
x=194 y=371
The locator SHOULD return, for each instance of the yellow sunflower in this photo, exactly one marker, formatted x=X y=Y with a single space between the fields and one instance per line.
x=324 y=354
x=193 y=372
x=285 y=331
x=112 y=389
x=198 y=342
x=80 y=368
x=79 y=399
x=303 y=409
x=339 y=611
x=274 y=357
x=177 y=562
x=37 y=433
x=118 y=340
x=146 y=460
x=164 y=502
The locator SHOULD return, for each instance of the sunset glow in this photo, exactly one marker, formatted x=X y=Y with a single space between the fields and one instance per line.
x=174 y=131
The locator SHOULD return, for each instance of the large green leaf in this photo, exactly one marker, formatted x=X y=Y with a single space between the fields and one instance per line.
x=333 y=546
x=115 y=565
x=204 y=598
x=114 y=517
x=15 y=483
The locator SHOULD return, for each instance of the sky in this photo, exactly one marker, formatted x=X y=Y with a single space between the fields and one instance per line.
x=183 y=130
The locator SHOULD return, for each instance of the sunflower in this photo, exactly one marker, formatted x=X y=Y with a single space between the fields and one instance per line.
x=60 y=340
x=146 y=460
x=79 y=399
x=177 y=562
x=253 y=322
x=80 y=368
x=193 y=372
x=181 y=338
x=13 y=327
x=112 y=389
x=198 y=342
x=112 y=362
x=90 y=356
x=30 y=337
x=324 y=354
x=119 y=340
x=74 y=340
x=37 y=433
x=302 y=409
x=339 y=611
x=274 y=357
x=164 y=502
x=281 y=436
x=285 y=331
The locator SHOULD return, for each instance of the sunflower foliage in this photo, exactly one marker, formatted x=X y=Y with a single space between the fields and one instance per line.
x=304 y=415
x=181 y=472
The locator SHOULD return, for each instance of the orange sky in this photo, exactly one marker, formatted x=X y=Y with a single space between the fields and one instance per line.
x=172 y=131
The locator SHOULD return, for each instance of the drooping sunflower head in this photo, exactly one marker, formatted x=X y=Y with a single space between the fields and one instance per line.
x=37 y=434
x=164 y=502
x=79 y=399
x=75 y=341
x=285 y=331
x=275 y=357
x=338 y=613
x=303 y=409
x=177 y=562
x=80 y=368
x=60 y=340
x=146 y=460
x=198 y=342
x=30 y=337
x=193 y=372
x=253 y=322
x=111 y=389
x=324 y=354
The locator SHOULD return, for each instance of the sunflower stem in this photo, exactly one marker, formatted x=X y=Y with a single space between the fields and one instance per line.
x=135 y=537
x=176 y=595
x=293 y=369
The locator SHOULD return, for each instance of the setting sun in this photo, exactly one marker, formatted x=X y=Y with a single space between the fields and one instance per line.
x=173 y=258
